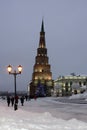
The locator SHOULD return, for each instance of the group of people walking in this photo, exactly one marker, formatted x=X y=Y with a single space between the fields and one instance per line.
x=11 y=100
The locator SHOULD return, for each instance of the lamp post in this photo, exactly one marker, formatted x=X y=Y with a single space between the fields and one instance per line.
x=9 y=68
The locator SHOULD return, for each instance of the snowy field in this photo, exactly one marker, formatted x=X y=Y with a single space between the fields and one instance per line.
x=44 y=114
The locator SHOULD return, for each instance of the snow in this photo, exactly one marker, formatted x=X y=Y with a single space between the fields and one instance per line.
x=79 y=96
x=42 y=114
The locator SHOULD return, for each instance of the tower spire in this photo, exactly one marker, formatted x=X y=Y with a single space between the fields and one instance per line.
x=42 y=36
x=42 y=27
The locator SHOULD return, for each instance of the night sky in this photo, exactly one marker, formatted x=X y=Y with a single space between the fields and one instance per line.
x=65 y=24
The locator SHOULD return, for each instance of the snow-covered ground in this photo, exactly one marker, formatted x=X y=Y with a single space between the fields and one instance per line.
x=43 y=114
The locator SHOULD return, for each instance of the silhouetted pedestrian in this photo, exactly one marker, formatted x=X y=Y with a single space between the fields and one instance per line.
x=22 y=100
x=12 y=101
x=8 y=100
x=16 y=99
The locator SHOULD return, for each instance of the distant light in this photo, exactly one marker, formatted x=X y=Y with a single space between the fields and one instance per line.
x=9 y=68
x=20 y=68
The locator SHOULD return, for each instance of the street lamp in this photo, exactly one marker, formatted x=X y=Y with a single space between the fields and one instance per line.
x=9 y=68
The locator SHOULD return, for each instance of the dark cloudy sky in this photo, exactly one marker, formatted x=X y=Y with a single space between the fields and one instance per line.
x=65 y=23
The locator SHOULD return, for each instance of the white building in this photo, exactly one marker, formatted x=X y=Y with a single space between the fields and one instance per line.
x=66 y=85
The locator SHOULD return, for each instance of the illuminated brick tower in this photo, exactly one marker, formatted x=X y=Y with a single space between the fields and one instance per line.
x=42 y=82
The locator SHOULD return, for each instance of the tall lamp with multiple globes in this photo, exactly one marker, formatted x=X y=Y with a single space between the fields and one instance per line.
x=14 y=73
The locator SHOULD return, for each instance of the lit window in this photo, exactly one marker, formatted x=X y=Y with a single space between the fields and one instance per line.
x=49 y=78
x=36 y=70
x=36 y=78
x=68 y=84
x=40 y=70
x=42 y=46
x=63 y=88
x=63 y=84
x=40 y=77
